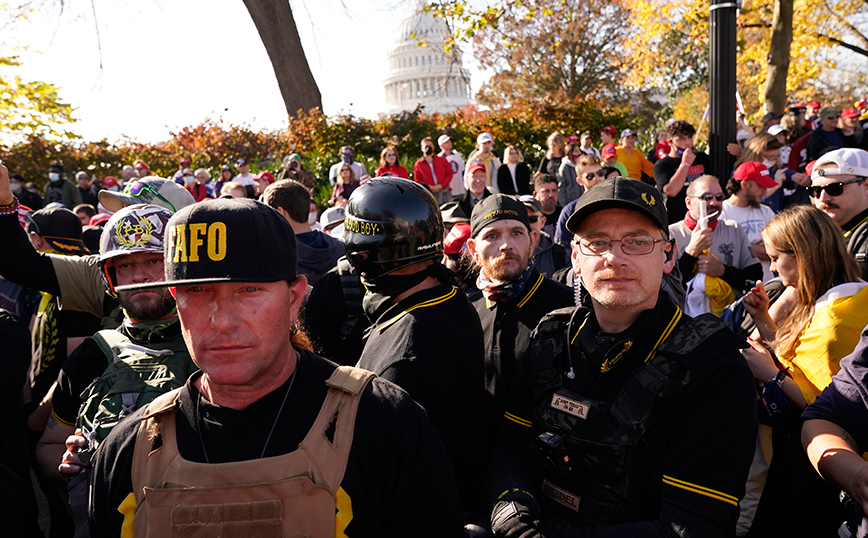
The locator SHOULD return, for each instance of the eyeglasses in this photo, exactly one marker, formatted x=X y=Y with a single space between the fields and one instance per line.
x=708 y=197
x=833 y=189
x=632 y=245
x=532 y=218
x=599 y=173
x=832 y=117
x=391 y=155
x=137 y=187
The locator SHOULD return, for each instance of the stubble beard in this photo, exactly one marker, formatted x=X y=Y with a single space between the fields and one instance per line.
x=147 y=308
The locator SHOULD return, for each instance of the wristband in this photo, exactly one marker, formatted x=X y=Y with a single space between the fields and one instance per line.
x=684 y=165
x=11 y=209
x=779 y=377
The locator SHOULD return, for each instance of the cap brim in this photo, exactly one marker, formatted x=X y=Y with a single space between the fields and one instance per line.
x=193 y=282
x=115 y=201
x=576 y=219
x=67 y=246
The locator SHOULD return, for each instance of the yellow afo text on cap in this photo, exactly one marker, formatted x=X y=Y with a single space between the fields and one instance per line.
x=185 y=242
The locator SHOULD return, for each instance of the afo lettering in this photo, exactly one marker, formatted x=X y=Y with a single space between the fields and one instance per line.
x=196 y=242
x=361 y=227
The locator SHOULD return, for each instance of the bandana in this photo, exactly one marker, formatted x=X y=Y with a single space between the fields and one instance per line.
x=495 y=292
x=688 y=220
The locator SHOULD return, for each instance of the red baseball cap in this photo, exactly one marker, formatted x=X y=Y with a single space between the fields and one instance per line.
x=814 y=104
x=266 y=176
x=457 y=238
x=850 y=113
x=809 y=168
x=609 y=129
x=185 y=160
x=110 y=181
x=572 y=138
x=608 y=149
x=754 y=171
x=474 y=166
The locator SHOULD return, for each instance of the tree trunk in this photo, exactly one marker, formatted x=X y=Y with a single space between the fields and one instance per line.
x=276 y=27
x=779 y=57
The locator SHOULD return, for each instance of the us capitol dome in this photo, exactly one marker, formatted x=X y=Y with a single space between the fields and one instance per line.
x=425 y=75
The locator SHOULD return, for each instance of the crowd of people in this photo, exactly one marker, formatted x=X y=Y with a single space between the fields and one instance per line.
x=603 y=343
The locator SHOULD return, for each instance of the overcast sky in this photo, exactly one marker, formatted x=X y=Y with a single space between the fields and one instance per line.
x=171 y=63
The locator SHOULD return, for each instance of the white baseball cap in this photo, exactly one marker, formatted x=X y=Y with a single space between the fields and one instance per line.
x=443 y=139
x=775 y=130
x=628 y=132
x=849 y=161
x=484 y=137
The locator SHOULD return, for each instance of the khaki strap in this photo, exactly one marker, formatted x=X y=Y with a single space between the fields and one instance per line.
x=143 y=473
x=338 y=416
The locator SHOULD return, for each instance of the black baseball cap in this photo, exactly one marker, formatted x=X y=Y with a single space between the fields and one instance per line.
x=227 y=240
x=60 y=227
x=497 y=207
x=623 y=193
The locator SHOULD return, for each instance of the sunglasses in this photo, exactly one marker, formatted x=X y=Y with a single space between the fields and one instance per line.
x=391 y=155
x=709 y=197
x=136 y=189
x=599 y=173
x=833 y=189
x=532 y=219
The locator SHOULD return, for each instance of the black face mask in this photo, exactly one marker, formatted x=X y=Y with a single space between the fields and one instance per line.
x=429 y=150
x=385 y=288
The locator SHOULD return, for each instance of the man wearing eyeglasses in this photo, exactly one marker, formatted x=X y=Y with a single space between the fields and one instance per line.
x=628 y=418
x=838 y=188
x=827 y=136
x=719 y=249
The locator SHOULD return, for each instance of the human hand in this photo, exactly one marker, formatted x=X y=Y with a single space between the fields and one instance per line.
x=802 y=179
x=700 y=240
x=780 y=176
x=6 y=197
x=734 y=149
x=756 y=301
x=436 y=188
x=710 y=265
x=760 y=361
x=72 y=462
x=688 y=156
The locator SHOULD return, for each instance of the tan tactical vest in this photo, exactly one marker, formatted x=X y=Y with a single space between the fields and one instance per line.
x=292 y=495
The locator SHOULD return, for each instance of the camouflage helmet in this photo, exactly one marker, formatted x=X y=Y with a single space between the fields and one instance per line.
x=133 y=229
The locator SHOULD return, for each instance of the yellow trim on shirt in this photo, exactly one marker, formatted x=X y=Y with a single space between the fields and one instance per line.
x=60 y=420
x=128 y=509
x=666 y=332
x=861 y=222
x=532 y=291
x=430 y=302
x=518 y=420
x=694 y=488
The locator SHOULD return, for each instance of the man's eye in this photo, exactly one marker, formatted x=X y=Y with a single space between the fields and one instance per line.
x=598 y=243
x=637 y=242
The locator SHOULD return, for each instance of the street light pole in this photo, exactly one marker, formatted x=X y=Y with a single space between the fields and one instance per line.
x=722 y=86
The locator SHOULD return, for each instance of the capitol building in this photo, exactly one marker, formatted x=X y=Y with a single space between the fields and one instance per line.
x=425 y=75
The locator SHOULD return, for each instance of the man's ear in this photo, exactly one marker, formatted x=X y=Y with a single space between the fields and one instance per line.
x=574 y=256
x=671 y=258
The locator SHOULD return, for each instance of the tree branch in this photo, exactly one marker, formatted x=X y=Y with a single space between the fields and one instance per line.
x=848 y=46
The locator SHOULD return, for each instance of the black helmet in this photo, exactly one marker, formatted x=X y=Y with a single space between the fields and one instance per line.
x=391 y=223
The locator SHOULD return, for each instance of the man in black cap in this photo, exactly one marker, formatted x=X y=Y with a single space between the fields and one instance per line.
x=269 y=439
x=515 y=295
x=425 y=336
x=628 y=418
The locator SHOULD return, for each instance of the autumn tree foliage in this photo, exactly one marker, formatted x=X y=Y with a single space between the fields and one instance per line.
x=31 y=108
x=668 y=46
x=543 y=48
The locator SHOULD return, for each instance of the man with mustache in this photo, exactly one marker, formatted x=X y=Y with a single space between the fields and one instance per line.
x=838 y=189
x=515 y=295
x=720 y=249
x=628 y=418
